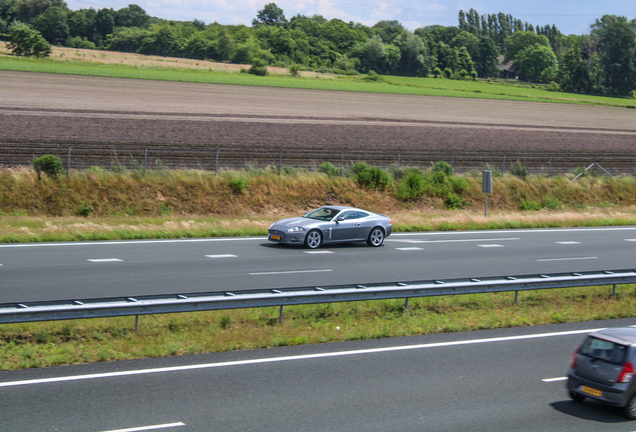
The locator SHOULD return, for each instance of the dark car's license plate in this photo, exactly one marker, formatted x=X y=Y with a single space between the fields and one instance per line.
x=591 y=391
x=275 y=237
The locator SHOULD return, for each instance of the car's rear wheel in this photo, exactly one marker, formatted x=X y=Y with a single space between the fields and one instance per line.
x=376 y=237
x=576 y=397
x=630 y=408
x=313 y=239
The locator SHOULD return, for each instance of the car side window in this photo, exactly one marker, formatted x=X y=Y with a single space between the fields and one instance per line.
x=348 y=215
x=362 y=215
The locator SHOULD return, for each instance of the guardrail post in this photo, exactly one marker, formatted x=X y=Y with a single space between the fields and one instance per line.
x=280 y=315
x=406 y=304
x=614 y=291
x=136 y=323
x=516 y=297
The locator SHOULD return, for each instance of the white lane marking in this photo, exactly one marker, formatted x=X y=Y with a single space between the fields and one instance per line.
x=318 y=252
x=297 y=357
x=409 y=249
x=549 y=380
x=406 y=241
x=532 y=230
x=567 y=259
x=290 y=272
x=146 y=428
x=632 y=240
x=568 y=242
x=222 y=256
x=101 y=260
x=463 y=240
x=107 y=243
x=490 y=245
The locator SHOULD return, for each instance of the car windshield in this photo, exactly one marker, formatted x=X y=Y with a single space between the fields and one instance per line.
x=604 y=350
x=322 y=214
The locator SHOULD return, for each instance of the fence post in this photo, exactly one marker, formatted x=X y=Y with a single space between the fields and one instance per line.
x=341 y=164
x=145 y=159
x=503 y=166
x=452 y=162
x=550 y=166
x=397 y=169
x=216 y=163
x=68 y=163
x=280 y=163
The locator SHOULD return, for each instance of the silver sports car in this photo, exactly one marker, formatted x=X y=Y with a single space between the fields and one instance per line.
x=332 y=224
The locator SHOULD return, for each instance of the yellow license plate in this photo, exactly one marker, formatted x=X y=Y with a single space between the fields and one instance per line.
x=275 y=237
x=591 y=391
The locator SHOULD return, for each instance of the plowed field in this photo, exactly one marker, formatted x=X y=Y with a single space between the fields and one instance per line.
x=108 y=120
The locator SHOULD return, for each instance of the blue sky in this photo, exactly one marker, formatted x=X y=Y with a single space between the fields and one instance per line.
x=570 y=16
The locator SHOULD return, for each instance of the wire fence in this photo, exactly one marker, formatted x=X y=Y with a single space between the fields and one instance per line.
x=80 y=156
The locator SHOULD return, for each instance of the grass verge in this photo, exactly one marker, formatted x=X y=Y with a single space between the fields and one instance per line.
x=32 y=345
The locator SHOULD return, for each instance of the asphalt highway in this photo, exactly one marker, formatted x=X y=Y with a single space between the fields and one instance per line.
x=83 y=270
x=481 y=381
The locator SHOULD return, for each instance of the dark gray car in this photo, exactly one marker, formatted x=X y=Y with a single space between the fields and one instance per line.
x=332 y=224
x=602 y=368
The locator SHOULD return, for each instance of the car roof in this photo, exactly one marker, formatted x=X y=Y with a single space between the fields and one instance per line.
x=621 y=335
x=339 y=207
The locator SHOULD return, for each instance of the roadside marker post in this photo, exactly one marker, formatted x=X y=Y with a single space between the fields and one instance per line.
x=486 y=186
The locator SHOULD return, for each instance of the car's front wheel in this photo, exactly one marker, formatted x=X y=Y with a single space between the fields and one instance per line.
x=313 y=239
x=630 y=408
x=376 y=237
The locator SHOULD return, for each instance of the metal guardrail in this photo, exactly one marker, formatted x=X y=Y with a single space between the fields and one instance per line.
x=155 y=304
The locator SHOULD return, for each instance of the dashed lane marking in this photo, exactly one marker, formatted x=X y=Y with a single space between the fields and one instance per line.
x=222 y=256
x=318 y=252
x=566 y=259
x=409 y=249
x=490 y=245
x=102 y=260
x=568 y=242
x=289 y=272
x=147 y=428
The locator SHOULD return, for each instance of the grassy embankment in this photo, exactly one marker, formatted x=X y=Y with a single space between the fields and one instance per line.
x=98 y=64
x=172 y=204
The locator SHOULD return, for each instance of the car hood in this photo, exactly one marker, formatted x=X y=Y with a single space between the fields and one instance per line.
x=295 y=221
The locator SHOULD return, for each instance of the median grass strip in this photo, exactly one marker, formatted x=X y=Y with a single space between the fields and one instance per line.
x=31 y=345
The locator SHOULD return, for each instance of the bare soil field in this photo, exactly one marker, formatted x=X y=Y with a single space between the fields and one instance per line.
x=109 y=120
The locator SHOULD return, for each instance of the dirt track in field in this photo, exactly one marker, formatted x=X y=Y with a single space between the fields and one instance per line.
x=183 y=124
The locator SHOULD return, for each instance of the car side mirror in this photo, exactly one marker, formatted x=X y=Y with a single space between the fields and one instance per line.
x=340 y=219
x=306 y=213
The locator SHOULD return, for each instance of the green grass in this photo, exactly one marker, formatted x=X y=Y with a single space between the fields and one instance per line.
x=389 y=84
x=31 y=345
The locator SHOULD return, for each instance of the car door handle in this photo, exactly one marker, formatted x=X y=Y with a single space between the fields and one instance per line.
x=358 y=224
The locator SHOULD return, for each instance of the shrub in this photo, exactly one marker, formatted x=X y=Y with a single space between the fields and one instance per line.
x=358 y=167
x=258 y=68
x=411 y=187
x=290 y=170
x=117 y=168
x=329 y=169
x=374 y=178
x=519 y=170
x=551 y=203
x=452 y=201
x=529 y=205
x=437 y=72
x=459 y=185
x=294 y=70
x=48 y=164
x=80 y=42
x=238 y=185
x=26 y=41
x=95 y=170
x=444 y=167
x=488 y=167
x=85 y=209
x=448 y=72
x=372 y=76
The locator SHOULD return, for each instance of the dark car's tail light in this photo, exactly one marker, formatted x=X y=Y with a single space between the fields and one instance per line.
x=627 y=373
x=574 y=356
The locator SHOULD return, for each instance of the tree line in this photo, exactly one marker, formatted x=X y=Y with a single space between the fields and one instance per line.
x=601 y=62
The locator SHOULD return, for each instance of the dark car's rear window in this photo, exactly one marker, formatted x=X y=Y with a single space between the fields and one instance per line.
x=604 y=350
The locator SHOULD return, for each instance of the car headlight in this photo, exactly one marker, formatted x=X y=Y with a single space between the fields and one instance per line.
x=296 y=229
